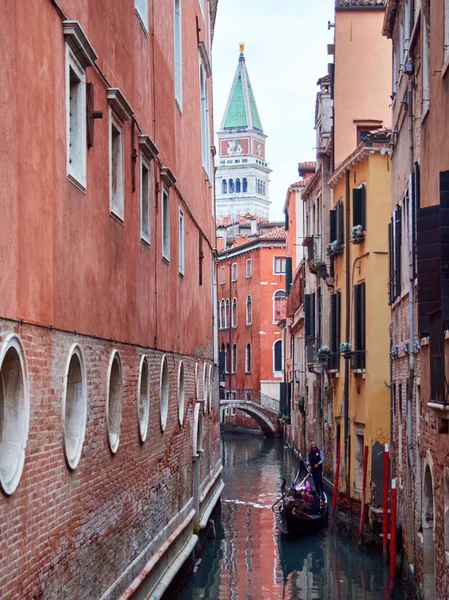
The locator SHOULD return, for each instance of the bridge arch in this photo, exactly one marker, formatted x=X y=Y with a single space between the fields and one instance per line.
x=266 y=423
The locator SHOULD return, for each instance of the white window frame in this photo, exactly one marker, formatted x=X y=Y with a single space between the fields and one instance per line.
x=204 y=120
x=177 y=50
x=74 y=417
x=165 y=205
x=117 y=202
x=181 y=237
x=234 y=272
x=249 y=268
x=76 y=170
x=141 y=8
x=234 y=358
x=115 y=403
x=144 y=164
x=143 y=401
x=222 y=275
x=249 y=321
x=234 y=310
x=278 y=294
x=246 y=358
x=181 y=392
x=283 y=263
x=164 y=392
x=277 y=373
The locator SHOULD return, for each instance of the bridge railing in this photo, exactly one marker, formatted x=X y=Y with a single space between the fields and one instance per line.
x=248 y=395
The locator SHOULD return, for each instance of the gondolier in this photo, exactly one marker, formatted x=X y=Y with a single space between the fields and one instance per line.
x=314 y=463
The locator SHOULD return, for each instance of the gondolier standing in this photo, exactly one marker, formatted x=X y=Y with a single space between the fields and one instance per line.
x=314 y=463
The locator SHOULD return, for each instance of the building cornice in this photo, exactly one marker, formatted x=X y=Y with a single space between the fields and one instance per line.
x=360 y=153
x=311 y=185
x=249 y=247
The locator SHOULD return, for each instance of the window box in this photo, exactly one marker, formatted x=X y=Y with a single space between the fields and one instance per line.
x=357 y=234
x=335 y=248
x=323 y=353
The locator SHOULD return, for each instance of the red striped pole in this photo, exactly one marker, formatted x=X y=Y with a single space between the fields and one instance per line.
x=362 y=514
x=385 y=506
x=393 y=532
x=337 y=477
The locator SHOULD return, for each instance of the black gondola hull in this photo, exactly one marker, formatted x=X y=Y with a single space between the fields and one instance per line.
x=294 y=523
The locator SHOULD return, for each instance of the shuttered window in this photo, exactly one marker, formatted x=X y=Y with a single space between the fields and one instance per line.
x=390 y=263
x=359 y=327
x=335 y=330
x=307 y=314
x=359 y=207
x=397 y=219
x=332 y=226
x=340 y=233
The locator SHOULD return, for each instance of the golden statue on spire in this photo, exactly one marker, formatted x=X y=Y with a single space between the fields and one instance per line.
x=242 y=47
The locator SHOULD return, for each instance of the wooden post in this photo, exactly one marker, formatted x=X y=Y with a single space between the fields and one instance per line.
x=362 y=514
x=337 y=477
x=393 y=532
x=385 y=506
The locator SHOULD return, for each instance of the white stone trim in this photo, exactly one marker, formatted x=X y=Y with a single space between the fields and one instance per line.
x=164 y=393
x=143 y=422
x=114 y=443
x=181 y=392
x=119 y=104
x=73 y=460
x=9 y=485
x=79 y=44
x=147 y=147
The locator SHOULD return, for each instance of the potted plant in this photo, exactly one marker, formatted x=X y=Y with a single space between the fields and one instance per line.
x=334 y=248
x=324 y=353
x=357 y=234
x=346 y=349
x=321 y=269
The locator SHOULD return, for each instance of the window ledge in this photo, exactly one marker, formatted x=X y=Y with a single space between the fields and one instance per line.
x=443 y=409
x=178 y=106
x=116 y=217
x=166 y=260
x=424 y=341
x=76 y=183
x=145 y=242
x=333 y=371
x=445 y=67
x=181 y=275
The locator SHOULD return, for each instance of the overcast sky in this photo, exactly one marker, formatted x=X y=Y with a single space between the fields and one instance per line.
x=286 y=52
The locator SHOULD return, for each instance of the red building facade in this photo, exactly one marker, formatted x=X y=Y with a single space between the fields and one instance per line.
x=109 y=455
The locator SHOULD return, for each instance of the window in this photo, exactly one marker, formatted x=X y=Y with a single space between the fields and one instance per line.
x=231 y=186
x=334 y=361
x=228 y=358
x=234 y=358
x=114 y=401
x=279 y=265
x=181 y=242
x=205 y=126
x=437 y=358
x=426 y=56
x=249 y=268
x=249 y=310
x=181 y=392
x=178 y=52
x=277 y=358
x=279 y=306
x=340 y=232
x=14 y=411
x=223 y=315
x=359 y=207
x=359 y=327
x=145 y=199
x=75 y=407
x=117 y=196
x=205 y=388
x=141 y=7
x=197 y=381
x=163 y=393
x=244 y=185
x=234 y=312
x=359 y=452
x=222 y=275
x=224 y=186
x=210 y=388
x=234 y=272
x=76 y=120
x=165 y=223
x=144 y=398
x=395 y=254
x=227 y=315
x=248 y=358
x=237 y=186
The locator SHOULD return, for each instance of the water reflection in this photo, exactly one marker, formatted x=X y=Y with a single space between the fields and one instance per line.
x=250 y=559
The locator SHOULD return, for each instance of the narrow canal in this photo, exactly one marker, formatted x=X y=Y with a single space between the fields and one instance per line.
x=250 y=560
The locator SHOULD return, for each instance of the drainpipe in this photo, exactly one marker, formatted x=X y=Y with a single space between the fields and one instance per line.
x=411 y=303
x=347 y=335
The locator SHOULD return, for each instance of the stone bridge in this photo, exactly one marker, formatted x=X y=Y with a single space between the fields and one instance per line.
x=263 y=409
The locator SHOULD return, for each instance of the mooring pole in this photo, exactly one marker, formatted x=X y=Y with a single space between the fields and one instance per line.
x=337 y=477
x=385 y=506
x=393 y=532
x=362 y=514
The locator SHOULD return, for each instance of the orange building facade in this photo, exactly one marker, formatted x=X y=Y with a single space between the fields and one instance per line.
x=109 y=403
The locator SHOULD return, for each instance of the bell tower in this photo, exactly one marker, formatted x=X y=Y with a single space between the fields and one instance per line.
x=242 y=172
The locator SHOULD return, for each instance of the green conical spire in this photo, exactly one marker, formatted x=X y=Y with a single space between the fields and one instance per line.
x=241 y=110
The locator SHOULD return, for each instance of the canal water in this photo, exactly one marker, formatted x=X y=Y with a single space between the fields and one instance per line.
x=250 y=560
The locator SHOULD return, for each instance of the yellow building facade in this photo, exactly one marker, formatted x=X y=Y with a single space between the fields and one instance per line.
x=360 y=314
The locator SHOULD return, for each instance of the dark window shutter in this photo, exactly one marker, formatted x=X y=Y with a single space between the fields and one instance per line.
x=286 y=221
x=357 y=327
x=338 y=328
x=362 y=325
x=363 y=223
x=444 y=237
x=333 y=332
x=331 y=71
x=390 y=264
x=340 y=223
x=307 y=313
x=428 y=264
x=332 y=225
x=312 y=314
x=397 y=250
x=288 y=274
x=357 y=218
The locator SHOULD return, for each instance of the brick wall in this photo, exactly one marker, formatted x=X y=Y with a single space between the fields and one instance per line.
x=72 y=533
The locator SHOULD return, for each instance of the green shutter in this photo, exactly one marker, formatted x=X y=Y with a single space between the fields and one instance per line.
x=332 y=225
x=288 y=274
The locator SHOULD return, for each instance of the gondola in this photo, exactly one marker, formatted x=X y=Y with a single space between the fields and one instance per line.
x=295 y=517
